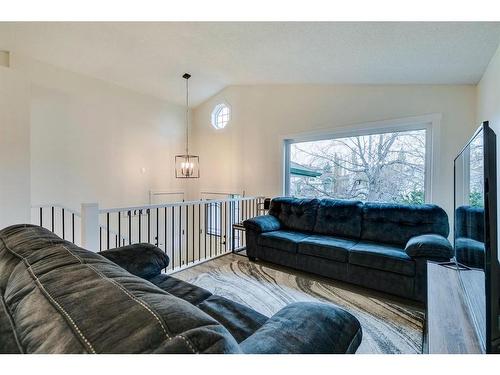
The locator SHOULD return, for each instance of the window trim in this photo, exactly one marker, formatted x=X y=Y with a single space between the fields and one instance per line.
x=215 y=112
x=431 y=123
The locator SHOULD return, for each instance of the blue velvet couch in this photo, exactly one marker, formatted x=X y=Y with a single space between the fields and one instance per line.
x=382 y=246
x=469 y=236
x=56 y=297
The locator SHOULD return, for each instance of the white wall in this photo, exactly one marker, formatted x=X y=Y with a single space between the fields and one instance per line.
x=90 y=139
x=14 y=149
x=248 y=153
x=488 y=95
x=488 y=103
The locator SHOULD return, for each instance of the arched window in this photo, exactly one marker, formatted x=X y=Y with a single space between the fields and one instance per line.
x=221 y=116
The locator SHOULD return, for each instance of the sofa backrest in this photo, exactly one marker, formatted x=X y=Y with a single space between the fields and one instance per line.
x=59 y=298
x=294 y=213
x=397 y=223
x=339 y=218
x=470 y=222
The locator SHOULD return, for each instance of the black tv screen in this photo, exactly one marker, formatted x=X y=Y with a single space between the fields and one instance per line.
x=475 y=233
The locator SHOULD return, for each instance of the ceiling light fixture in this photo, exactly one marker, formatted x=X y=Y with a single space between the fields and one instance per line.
x=187 y=166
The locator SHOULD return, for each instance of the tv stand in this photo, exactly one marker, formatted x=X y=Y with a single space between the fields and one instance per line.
x=450 y=328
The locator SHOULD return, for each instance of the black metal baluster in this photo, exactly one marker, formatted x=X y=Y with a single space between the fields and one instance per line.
x=100 y=238
x=116 y=241
x=192 y=234
x=129 y=227
x=199 y=231
x=41 y=216
x=225 y=227
x=165 y=233
x=52 y=217
x=180 y=236
x=186 y=233
x=107 y=231
x=73 y=227
x=240 y=213
x=148 y=211
x=220 y=228
x=209 y=231
x=119 y=228
x=63 y=236
x=140 y=225
x=165 y=224
x=173 y=242
x=157 y=227
x=205 y=221
x=230 y=227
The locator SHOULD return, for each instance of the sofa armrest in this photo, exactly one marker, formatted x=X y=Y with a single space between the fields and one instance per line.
x=263 y=223
x=142 y=259
x=429 y=246
x=306 y=328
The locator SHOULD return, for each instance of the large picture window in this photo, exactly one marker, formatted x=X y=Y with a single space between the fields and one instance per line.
x=381 y=167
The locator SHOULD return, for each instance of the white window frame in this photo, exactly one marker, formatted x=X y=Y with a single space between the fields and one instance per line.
x=215 y=112
x=431 y=123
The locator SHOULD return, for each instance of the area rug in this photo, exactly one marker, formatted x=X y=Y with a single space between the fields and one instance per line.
x=389 y=325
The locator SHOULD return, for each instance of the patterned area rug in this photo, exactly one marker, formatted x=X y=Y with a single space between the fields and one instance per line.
x=389 y=325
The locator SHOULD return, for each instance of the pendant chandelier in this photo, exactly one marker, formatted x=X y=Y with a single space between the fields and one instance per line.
x=187 y=166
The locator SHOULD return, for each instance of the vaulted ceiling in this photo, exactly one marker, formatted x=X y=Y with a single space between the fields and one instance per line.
x=151 y=57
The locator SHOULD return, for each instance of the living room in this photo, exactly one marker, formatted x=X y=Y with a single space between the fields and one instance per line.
x=310 y=187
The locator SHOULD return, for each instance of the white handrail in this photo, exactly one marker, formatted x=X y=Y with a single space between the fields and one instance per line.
x=176 y=204
x=58 y=205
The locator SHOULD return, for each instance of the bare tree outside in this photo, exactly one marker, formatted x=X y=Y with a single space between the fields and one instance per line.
x=476 y=172
x=388 y=167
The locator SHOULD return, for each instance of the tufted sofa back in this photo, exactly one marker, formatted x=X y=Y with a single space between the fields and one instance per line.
x=58 y=298
x=295 y=214
x=380 y=222
x=397 y=223
x=470 y=222
x=339 y=218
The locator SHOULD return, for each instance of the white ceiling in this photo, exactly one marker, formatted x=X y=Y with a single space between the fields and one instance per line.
x=151 y=57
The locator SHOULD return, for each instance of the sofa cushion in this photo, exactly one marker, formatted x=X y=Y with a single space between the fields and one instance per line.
x=397 y=223
x=334 y=248
x=429 y=246
x=188 y=292
x=240 y=321
x=263 y=223
x=284 y=240
x=307 y=327
x=383 y=257
x=141 y=259
x=470 y=222
x=295 y=214
x=469 y=252
x=339 y=218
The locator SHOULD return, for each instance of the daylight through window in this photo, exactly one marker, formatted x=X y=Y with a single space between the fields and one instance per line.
x=386 y=167
x=220 y=116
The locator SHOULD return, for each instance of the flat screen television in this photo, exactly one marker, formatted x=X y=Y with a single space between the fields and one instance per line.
x=475 y=234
